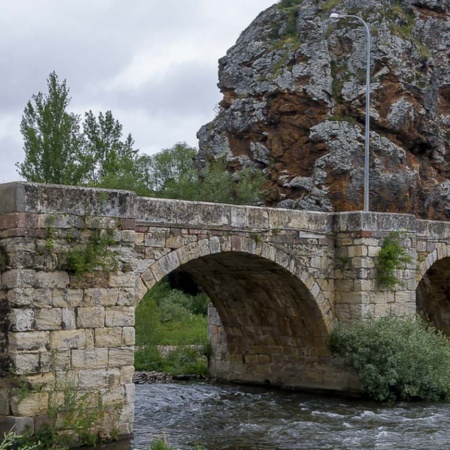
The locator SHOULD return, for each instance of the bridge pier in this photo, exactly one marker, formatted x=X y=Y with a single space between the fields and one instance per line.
x=75 y=263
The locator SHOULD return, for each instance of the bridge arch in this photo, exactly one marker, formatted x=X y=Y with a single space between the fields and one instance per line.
x=433 y=288
x=273 y=320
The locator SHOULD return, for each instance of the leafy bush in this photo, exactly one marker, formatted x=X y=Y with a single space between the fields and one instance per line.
x=396 y=358
x=194 y=304
x=181 y=361
x=170 y=317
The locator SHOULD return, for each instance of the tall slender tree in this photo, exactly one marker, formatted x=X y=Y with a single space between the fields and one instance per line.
x=107 y=152
x=53 y=142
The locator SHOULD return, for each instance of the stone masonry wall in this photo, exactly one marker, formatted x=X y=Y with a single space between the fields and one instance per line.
x=359 y=239
x=66 y=331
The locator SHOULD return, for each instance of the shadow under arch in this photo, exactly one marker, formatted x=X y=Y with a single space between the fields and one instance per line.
x=273 y=321
x=433 y=289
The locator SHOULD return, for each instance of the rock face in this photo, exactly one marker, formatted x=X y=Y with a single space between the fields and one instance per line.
x=294 y=104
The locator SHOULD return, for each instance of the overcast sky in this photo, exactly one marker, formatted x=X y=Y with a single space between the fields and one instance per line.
x=153 y=63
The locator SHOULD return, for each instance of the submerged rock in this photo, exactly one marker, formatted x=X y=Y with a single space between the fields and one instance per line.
x=294 y=105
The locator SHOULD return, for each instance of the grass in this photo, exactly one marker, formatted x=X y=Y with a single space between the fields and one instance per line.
x=168 y=317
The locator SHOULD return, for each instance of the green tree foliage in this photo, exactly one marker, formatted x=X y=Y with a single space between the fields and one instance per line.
x=59 y=150
x=396 y=358
x=167 y=316
x=53 y=142
x=108 y=154
x=172 y=173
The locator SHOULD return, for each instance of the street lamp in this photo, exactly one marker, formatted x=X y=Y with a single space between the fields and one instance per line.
x=335 y=17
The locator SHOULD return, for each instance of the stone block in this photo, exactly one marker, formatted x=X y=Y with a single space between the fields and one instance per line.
x=68 y=339
x=19 y=424
x=48 y=319
x=128 y=336
x=125 y=279
x=120 y=316
x=68 y=319
x=126 y=374
x=52 y=280
x=108 y=337
x=251 y=359
x=29 y=341
x=100 y=297
x=90 y=338
x=90 y=359
x=114 y=396
x=126 y=297
x=122 y=356
x=98 y=378
x=405 y=297
x=4 y=404
x=25 y=363
x=20 y=297
x=42 y=298
x=155 y=238
x=32 y=405
x=67 y=298
x=44 y=381
x=91 y=317
x=19 y=278
x=174 y=242
x=127 y=236
x=21 y=319
x=169 y=262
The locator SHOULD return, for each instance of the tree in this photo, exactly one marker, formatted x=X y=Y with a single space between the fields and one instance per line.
x=53 y=142
x=107 y=153
x=172 y=173
x=57 y=151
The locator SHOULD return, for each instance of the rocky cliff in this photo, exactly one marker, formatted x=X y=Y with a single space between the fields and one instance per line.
x=294 y=104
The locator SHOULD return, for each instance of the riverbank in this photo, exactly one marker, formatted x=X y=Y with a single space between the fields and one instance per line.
x=153 y=377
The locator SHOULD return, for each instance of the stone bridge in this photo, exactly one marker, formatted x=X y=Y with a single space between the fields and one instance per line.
x=75 y=262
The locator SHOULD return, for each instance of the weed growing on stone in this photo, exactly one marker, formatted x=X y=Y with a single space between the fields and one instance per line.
x=12 y=441
x=396 y=358
x=75 y=411
x=95 y=255
x=330 y=4
x=72 y=418
x=284 y=4
x=391 y=257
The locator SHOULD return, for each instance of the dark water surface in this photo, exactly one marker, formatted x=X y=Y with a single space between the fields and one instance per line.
x=221 y=417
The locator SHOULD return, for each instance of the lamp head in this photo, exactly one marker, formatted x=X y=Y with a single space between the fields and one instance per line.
x=334 y=17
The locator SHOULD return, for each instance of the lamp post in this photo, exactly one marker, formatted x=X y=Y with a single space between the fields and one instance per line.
x=335 y=17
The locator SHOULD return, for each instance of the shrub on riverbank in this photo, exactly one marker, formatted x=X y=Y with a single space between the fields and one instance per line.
x=396 y=358
x=169 y=317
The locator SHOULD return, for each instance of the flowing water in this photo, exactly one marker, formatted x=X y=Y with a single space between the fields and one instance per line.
x=222 y=417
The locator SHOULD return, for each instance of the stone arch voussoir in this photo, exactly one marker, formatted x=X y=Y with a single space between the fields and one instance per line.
x=441 y=251
x=168 y=263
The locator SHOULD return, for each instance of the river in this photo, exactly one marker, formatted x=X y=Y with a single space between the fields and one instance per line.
x=223 y=417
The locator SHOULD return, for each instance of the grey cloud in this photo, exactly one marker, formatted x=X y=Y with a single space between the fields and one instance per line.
x=187 y=89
